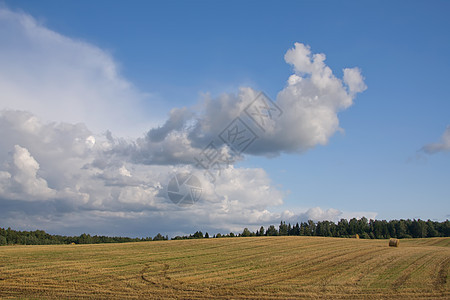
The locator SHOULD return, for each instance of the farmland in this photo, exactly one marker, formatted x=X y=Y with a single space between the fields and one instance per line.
x=249 y=268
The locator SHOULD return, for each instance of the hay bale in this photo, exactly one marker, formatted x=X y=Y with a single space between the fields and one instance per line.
x=357 y=236
x=394 y=242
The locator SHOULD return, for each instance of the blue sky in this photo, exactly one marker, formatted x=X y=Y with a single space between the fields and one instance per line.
x=176 y=51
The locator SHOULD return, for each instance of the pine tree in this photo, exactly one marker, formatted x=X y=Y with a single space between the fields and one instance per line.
x=261 y=231
x=283 y=229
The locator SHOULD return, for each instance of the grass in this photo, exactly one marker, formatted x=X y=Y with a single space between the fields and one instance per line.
x=230 y=268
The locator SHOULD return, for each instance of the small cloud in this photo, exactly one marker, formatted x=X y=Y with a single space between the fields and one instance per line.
x=354 y=80
x=177 y=119
x=318 y=214
x=442 y=146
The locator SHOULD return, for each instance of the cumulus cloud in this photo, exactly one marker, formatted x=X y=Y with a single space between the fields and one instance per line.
x=442 y=146
x=308 y=114
x=62 y=170
x=51 y=178
x=21 y=179
x=311 y=100
x=63 y=79
x=71 y=172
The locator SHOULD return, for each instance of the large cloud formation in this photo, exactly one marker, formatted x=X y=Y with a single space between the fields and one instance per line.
x=66 y=170
x=68 y=178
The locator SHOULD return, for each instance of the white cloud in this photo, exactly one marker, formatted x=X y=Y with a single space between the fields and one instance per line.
x=177 y=120
x=73 y=174
x=64 y=79
x=310 y=102
x=318 y=214
x=330 y=214
x=25 y=169
x=442 y=146
x=370 y=215
x=354 y=80
x=54 y=181
x=64 y=176
x=21 y=181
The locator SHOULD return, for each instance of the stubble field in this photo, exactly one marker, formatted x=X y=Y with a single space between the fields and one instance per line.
x=230 y=268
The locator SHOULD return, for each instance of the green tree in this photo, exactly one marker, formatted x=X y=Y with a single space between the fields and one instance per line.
x=391 y=229
x=246 y=232
x=401 y=229
x=85 y=239
x=375 y=229
x=271 y=231
x=2 y=240
x=159 y=237
x=311 y=227
x=419 y=229
x=198 y=235
x=431 y=230
x=384 y=229
x=261 y=231
x=445 y=228
x=352 y=226
x=362 y=226
x=283 y=228
x=364 y=235
x=304 y=229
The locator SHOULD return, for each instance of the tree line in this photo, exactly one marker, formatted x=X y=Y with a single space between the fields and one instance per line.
x=366 y=229
x=373 y=229
x=40 y=237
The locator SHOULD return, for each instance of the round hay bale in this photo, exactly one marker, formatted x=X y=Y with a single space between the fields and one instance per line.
x=394 y=242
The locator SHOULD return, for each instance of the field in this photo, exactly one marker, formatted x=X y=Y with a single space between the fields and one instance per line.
x=231 y=268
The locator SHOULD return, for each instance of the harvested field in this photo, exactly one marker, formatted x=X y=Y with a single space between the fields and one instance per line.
x=241 y=268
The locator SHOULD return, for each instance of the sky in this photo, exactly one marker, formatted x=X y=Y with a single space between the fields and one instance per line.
x=342 y=111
